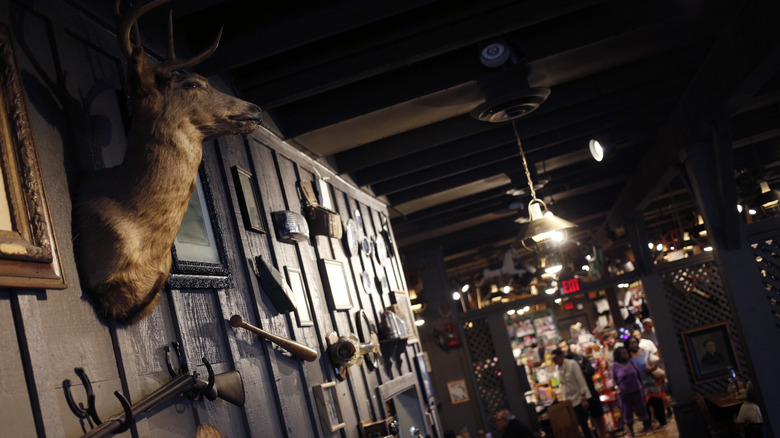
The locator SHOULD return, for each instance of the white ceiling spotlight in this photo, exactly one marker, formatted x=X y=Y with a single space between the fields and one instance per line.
x=596 y=150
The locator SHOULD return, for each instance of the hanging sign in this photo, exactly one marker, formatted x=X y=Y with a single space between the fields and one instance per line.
x=571 y=286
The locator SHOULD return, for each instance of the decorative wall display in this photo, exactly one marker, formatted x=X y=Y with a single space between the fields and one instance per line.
x=380 y=249
x=198 y=251
x=368 y=284
x=367 y=334
x=336 y=283
x=402 y=307
x=282 y=296
x=382 y=284
x=351 y=242
x=328 y=407
x=710 y=352
x=248 y=199
x=322 y=221
x=302 y=312
x=29 y=257
x=291 y=227
x=458 y=391
x=295 y=348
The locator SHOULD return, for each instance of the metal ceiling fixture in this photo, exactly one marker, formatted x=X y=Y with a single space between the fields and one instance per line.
x=544 y=231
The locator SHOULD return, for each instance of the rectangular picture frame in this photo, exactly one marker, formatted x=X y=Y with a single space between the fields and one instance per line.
x=199 y=250
x=402 y=306
x=302 y=311
x=336 y=284
x=248 y=200
x=710 y=352
x=458 y=390
x=29 y=256
x=328 y=407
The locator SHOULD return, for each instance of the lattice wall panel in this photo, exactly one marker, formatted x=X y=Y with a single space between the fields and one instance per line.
x=767 y=256
x=487 y=371
x=706 y=303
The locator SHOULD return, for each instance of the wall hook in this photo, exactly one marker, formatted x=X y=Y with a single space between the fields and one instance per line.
x=90 y=412
x=179 y=358
x=129 y=416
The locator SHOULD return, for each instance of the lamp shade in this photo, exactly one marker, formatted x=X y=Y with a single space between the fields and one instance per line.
x=769 y=197
x=543 y=231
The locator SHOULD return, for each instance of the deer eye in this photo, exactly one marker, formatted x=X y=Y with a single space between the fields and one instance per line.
x=192 y=84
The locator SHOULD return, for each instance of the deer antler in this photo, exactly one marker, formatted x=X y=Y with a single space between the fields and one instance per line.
x=171 y=63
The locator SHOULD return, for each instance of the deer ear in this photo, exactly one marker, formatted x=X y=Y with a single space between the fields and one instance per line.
x=142 y=73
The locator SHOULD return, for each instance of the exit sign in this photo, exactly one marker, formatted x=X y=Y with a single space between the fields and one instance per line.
x=571 y=286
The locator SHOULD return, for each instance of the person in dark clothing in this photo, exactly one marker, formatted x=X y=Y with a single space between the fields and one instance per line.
x=595 y=408
x=510 y=426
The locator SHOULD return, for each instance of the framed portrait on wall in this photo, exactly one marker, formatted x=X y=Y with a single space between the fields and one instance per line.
x=336 y=284
x=198 y=250
x=248 y=200
x=29 y=257
x=710 y=352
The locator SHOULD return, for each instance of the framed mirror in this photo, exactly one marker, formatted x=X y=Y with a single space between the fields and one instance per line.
x=198 y=250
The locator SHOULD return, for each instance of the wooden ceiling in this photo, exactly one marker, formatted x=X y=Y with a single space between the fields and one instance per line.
x=383 y=91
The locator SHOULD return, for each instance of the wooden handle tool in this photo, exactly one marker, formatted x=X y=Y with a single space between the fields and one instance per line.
x=296 y=348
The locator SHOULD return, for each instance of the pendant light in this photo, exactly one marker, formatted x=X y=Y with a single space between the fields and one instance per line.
x=544 y=231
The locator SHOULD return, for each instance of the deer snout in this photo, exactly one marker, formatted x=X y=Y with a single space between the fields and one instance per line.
x=252 y=114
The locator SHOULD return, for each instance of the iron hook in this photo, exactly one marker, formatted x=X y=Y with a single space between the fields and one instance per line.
x=129 y=417
x=79 y=410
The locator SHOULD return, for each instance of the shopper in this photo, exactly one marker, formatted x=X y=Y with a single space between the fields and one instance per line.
x=610 y=341
x=573 y=388
x=628 y=380
x=647 y=364
x=595 y=408
x=510 y=426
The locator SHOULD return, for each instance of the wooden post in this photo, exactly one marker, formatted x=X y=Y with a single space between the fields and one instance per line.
x=710 y=168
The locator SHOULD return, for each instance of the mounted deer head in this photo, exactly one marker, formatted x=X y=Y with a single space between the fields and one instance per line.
x=128 y=216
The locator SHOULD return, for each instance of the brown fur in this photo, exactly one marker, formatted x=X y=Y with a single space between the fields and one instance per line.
x=128 y=216
x=206 y=430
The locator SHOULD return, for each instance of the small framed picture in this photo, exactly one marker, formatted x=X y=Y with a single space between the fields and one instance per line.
x=328 y=407
x=710 y=352
x=302 y=312
x=248 y=200
x=458 y=391
x=336 y=283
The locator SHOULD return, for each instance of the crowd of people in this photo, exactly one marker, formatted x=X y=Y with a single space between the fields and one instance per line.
x=637 y=371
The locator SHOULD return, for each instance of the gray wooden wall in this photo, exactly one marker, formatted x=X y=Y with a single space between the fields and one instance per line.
x=73 y=75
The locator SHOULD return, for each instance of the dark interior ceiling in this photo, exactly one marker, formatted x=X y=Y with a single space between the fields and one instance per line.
x=383 y=91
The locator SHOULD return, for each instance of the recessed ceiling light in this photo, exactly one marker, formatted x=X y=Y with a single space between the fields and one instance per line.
x=596 y=150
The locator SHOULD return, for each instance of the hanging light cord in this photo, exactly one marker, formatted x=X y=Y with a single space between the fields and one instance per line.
x=525 y=164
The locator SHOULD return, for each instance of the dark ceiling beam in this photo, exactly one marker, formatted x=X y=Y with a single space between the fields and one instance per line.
x=488 y=207
x=554 y=113
x=747 y=48
x=492 y=195
x=645 y=104
x=256 y=31
x=363 y=38
x=454 y=68
x=487 y=233
x=395 y=54
x=445 y=170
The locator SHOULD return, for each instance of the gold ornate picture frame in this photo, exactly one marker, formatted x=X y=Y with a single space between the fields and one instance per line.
x=29 y=257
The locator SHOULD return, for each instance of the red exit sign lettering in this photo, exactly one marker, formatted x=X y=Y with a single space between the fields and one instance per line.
x=571 y=286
